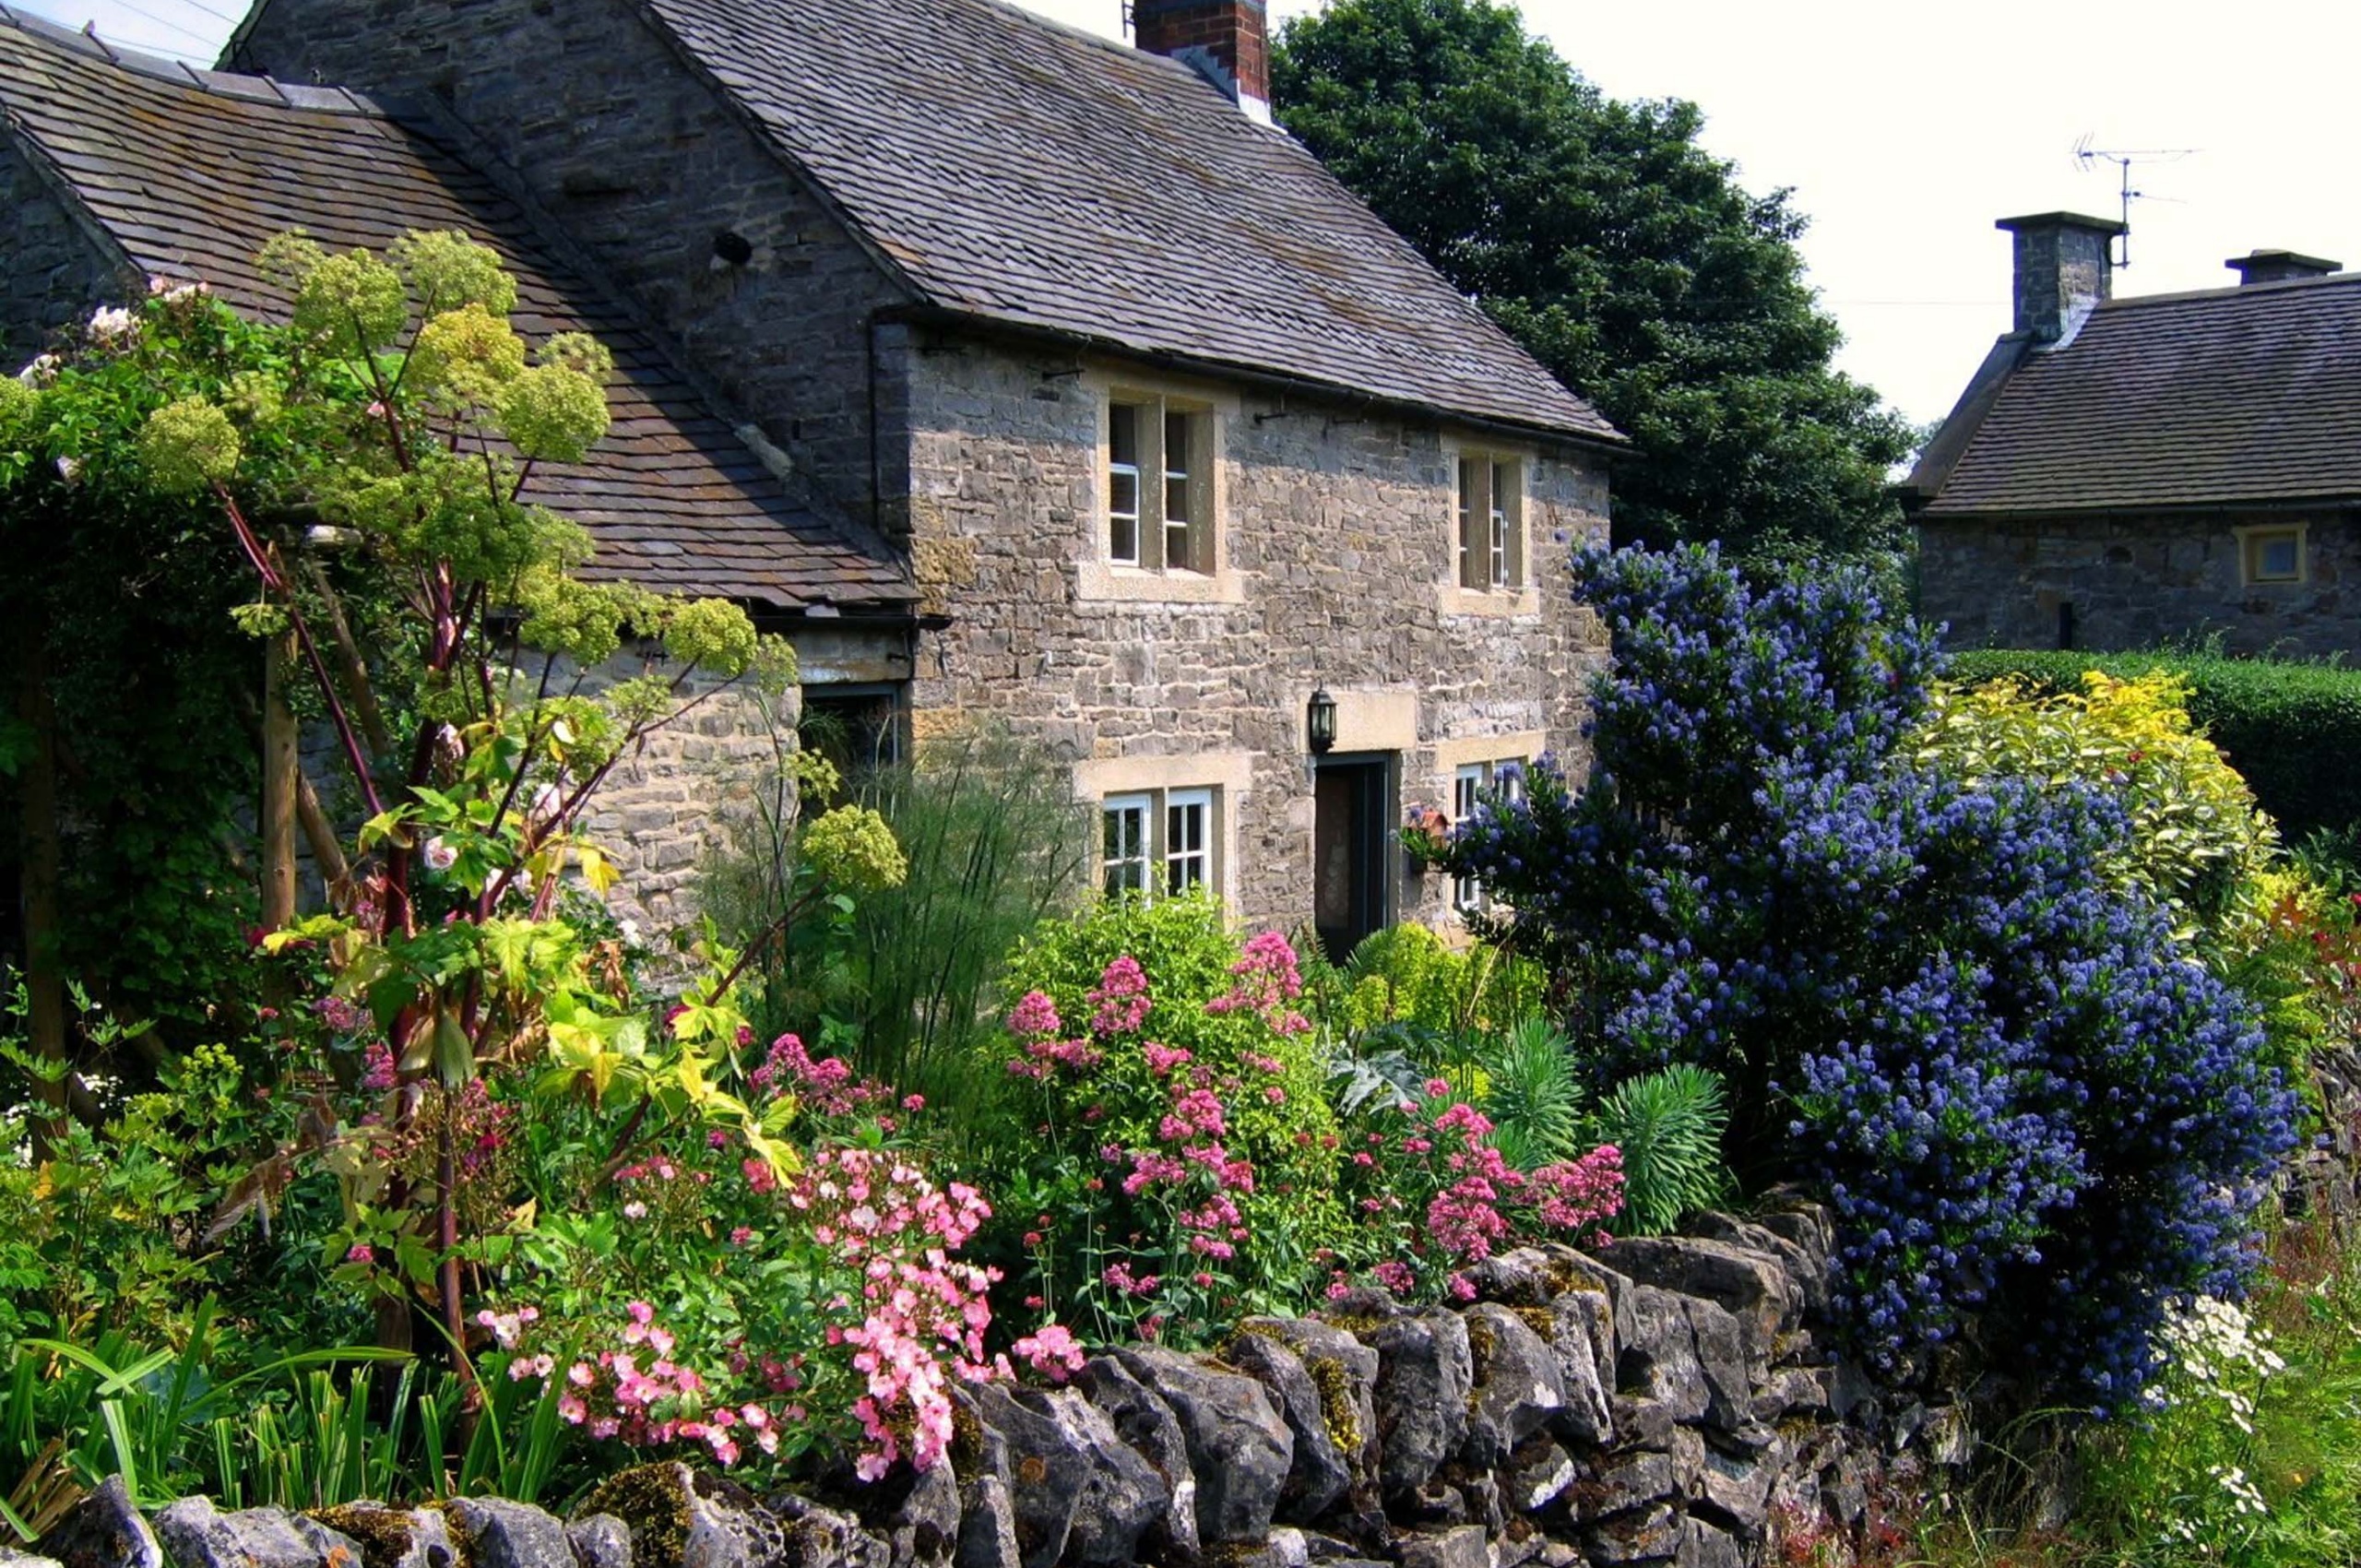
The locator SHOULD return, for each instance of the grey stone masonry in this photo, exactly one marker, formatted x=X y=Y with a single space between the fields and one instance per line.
x=638 y=158
x=1338 y=553
x=2117 y=583
x=56 y=271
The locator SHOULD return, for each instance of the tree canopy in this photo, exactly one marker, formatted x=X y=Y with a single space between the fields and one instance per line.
x=1627 y=259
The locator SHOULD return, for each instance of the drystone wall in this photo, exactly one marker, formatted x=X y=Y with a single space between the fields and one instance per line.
x=1667 y=1401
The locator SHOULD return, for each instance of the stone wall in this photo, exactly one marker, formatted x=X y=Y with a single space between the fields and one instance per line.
x=56 y=272
x=638 y=160
x=1666 y=1402
x=2139 y=583
x=1339 y=556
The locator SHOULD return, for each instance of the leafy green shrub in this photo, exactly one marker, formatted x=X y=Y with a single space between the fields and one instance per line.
x=2283 y=726
x=1407 y=975
x=1164 y=1148
x=2196 y=842
x=1533 y=1095
x=1669 y=1124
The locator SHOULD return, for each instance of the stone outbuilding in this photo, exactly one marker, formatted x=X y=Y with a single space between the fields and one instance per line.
x=2163 y=469
x=1013 y=372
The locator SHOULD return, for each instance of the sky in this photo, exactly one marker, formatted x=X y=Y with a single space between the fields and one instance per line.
x=1904 y=129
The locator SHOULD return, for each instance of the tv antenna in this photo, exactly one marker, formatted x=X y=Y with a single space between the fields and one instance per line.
x=2123 y=158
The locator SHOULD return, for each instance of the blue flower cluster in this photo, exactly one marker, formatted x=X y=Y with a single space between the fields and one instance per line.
x=2037 y=1116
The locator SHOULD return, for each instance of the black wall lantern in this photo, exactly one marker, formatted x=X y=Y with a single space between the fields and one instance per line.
x=1320 y=721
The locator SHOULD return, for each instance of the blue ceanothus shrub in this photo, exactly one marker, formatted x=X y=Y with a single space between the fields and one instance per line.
x=2039 y=1118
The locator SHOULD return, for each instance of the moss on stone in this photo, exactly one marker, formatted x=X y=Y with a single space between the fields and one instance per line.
x=1336 y=1410
x=382 y=1534
x=1541 y=1320
x=649 y=1500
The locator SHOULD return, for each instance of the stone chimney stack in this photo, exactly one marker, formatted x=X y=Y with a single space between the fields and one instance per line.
x=1225 y=39
x=2279 y=266
x=2065 y=264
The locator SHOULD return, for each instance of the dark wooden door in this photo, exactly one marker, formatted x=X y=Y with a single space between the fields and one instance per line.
x=1353 y=850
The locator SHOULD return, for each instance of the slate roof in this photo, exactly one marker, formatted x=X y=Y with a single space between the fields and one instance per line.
x=191 y=171
x=1014 y=168
x=2225 y=397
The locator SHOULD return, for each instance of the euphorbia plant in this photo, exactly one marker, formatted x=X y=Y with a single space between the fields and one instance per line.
x=386 y=436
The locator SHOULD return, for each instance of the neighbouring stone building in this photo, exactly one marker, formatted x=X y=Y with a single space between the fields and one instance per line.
x=2168 y=468
x=1012 y=371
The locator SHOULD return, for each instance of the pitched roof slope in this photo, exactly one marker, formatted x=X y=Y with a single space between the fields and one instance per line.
x=1027 y=173
x=2211 y=399
x=191 y=171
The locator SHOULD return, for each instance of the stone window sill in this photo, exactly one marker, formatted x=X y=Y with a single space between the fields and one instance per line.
x=1499 y=602
x=1096 y=581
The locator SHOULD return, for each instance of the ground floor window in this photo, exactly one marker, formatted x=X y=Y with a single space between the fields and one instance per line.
x=1157 y=842
x=1504 y=780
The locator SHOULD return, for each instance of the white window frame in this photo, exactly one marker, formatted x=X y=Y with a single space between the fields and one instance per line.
x=1489 y=517
x=1468 y=783
x=1188 y=865
x=1117 y=474
x=2257 y=538
x=1154 y=477
x=1160 y=861
x=1142 y=858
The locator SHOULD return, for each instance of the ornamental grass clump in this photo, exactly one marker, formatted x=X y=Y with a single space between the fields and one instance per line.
x=2038 y=1118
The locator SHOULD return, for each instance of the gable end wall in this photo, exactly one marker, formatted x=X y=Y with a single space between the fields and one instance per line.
x=636 y=159
x=55 y=272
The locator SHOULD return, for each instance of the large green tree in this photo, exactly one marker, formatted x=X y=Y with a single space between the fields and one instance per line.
x=1625 y=256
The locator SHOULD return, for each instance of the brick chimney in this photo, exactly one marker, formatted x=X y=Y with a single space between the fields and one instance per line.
x=1223 y=39
x=2065 y=264
x=2279 y=266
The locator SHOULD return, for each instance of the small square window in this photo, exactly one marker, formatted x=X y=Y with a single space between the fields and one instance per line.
x=1158 y=842
x=1491 y=522
x=2273 y=554
x=1159 y=497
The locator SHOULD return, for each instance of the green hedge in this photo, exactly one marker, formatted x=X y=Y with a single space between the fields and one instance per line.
x=2293 y=730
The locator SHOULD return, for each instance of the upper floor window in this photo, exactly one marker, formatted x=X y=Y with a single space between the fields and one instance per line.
x=2273 y=555
x=1492 y=521
x=1159 y=500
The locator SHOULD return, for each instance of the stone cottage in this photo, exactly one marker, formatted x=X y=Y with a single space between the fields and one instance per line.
x=2173 y=468
x=1010 y=371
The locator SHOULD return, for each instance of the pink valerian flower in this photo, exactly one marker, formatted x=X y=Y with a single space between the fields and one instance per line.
x=1197 y=1113
x=1034 y=1016
x=1119 y=1277
x=1162 y=1059
x=379 y=1072
x=1265 y=979
x=1395 y=1276
x=1120 y=998
x=828 y=1086
x=1050 y=1350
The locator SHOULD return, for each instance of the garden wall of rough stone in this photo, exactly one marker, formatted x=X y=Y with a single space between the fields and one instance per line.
x=1667 y=1401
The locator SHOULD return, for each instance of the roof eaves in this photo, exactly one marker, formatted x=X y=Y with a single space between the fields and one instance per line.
x=1609 y=441
x=2336 y=500
x=1959 y=427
